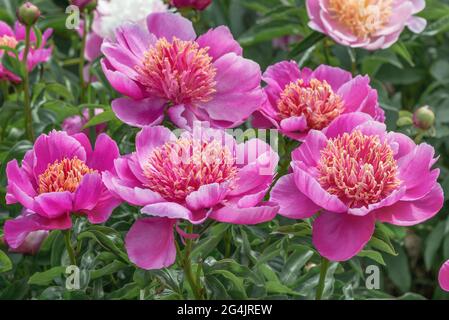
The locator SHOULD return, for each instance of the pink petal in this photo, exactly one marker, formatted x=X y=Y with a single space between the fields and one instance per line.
x=139 y=113
x=168 y=25
x=150 y=243
x=443 y=276
x=410 y=213
x=219 y=41
x=293 y=204
x=250 y=216
x=346 y=123
x=336 y=77
x=339 y=236
x=170 y=210
x=54 y=204
x=207 y=196
x=88 y=192
x=150 y=138
x=105 y=152
x=309 y=151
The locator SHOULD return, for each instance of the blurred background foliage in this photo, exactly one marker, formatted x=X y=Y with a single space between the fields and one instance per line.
x=275 y=260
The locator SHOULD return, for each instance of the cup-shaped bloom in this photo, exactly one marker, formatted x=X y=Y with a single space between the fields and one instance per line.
x=443 y=276
x=198 y=175
x=372 y=24
x=195 y=4
x=75 y=124
x=11 y=38
x=299 y=100
x=60 y=176
x=353 y=174
x=165 y=68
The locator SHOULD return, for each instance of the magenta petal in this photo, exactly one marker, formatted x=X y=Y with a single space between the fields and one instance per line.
x=148 y=139
x=410 y=213
x=340 y=236
x=19 y=177
x=404 y=145
x=346 y=123
x=310 y=151
x=168 y=25
x=133 y=195
x=415 y=171
x=139 y=113
x=219 y=41
x=88 y=192
x=313 y=190
x=207 y=196
x=336 y=77
x=294 y=124
x=232 y=214
x=170 y=210
x=150 y=243
x=15 y=194
x=121 y=82
x=54 y=204
x=18 y=229
x=104 y=207
x=57 y=145
x=105 y=152
x=293 y=204
x=443 y=276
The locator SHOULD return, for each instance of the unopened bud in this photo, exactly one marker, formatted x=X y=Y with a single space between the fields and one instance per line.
x=424 y=118
x=28 y=14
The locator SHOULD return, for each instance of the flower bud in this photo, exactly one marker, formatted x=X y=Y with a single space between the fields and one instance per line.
x=28 y=14
x=424 y=118
x=195 y=4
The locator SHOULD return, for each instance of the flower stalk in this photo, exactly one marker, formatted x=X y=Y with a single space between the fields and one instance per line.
x=26 y=87
x=321 y=284
x=187 y=267
x=69 y=247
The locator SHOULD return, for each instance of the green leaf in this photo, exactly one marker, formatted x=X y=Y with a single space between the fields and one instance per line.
x=373 y=255
x=278 y=288
x=437 y=27
x=433 y=243
x=294 y=264
x=111 y=268
x=106 y=116
x=5 y=262
x=398 y=269
x=209 y=243
x=46 y=277
x=400 y=49
x=311 y=40
x=237 y=283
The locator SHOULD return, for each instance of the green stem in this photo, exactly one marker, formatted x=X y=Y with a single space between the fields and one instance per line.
x=26 y=87
x=69 y=247
x=82 y=59
x=323 y=272
x=187 y=266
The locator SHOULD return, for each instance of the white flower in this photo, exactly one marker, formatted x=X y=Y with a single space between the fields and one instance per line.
x=111 y=14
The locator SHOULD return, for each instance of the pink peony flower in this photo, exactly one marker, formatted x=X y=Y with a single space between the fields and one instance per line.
x=166 y=69
x=60 y=176
x=200 y=175
x=75 y=124
x=372 y=24
x=301 y=100
x=11 y=38
x=443 y=277
x=353 y=174
x=195 y=4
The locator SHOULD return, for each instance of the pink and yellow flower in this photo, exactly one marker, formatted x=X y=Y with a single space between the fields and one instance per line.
x=443 y=276
x=60 y=176
x=353 y=174
x=301 y=100
x=11 y=38
x=199 y=175
x=369 y=24
x=166 y=69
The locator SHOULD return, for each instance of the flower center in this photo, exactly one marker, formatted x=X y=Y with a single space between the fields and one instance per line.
x=359 y=169
x=316 y=101
x=180 y=167
x=63 y=175
x=7 y=41
x=179 y=71
x=362 y=17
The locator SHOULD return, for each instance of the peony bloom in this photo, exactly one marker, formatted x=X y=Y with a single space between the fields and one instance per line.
x=195 y=4
x=111 y=14
x=166 y=69
x=301 y=100
x=60 y=176
x=370 y=24
x=11 y=38
x=75 y=124
x=443 y=277
x=353 y=174
x=200 y=175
